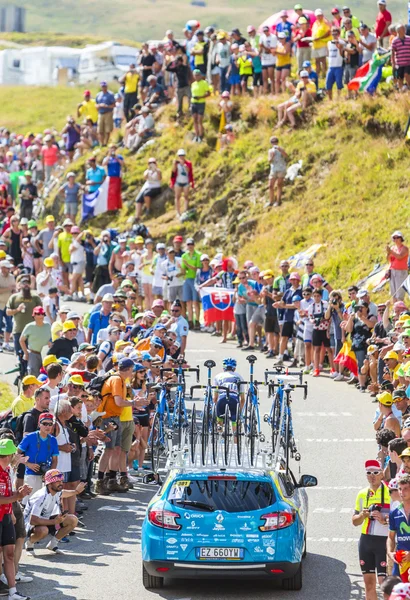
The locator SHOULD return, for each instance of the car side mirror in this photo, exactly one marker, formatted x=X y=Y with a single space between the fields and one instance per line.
x=307 y=481
x=149 y=478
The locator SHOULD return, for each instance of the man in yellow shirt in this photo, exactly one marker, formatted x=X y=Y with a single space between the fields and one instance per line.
x=305 y=93
x=199 y=52
x=64 y=242
x=88 y=108
x=25 y=400
x=199 y=93
x=130 y=81
x=320 y=37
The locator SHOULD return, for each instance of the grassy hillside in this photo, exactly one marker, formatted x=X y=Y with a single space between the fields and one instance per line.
x=352 y=194
x=145 y=19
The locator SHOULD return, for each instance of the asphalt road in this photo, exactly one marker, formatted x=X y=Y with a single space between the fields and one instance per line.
x=335 y=436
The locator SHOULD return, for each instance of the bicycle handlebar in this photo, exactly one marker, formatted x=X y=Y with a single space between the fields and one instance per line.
x=289 y=386
x=177 y=370
x=213 y=387
x=248 y=382
x=282 y=371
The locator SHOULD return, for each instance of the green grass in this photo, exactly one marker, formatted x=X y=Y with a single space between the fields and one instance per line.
x=6 y=396
x=145 y=19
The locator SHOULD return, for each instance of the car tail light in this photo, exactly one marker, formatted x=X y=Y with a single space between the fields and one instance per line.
x=222 y=478
x=164 y=518
x=272 y=571
x=277 y=520
x=162 y=569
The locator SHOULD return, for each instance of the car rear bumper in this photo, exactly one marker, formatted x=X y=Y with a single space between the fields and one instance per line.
x=204 y=570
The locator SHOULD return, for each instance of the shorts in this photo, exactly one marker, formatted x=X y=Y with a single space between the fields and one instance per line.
x=349 y=73
x=258 y=317
x=151 y=193
x=117 y=122
x=181 y=185
x=7 y=532
x=115 y=436
x=319 y=52
x=269 y=66
x=174 y=293
x=287 y=329
x=271 y=325
x=78 y=268
x=283 y=68
x=141 y=420
x=147 y=279
x=245 y=77
x=232 y=403
x=334 y=76
x=277 y=174
x=67 y=267
x=105 y=123
x=51 y=529
x=372 y=554
x=71 y=208
x=156 y=290
x=127 y=431
x=402 y=71
x=19 y=527
x=336 y=344
x=320 y=338
x=234 y=79
x=189 y=293
x=257 y=79
x=74 y=474
x=21 y=469
x=198 y=108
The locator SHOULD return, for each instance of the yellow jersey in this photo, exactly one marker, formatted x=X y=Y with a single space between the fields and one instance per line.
x=131 y=82
x=21 y=404
x=319 y=29
x=89 y=109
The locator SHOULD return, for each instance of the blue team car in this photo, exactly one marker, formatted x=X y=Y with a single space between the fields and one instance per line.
x=213 y=523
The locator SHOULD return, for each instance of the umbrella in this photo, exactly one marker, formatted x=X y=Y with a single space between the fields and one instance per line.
x=293 y=16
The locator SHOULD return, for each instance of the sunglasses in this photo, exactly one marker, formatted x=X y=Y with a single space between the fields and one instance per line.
x=83 y=397
x=373 y=472
x=306 y=294
x=131 y=298
x=190 y=244
x=116 y=321
x=175 y=310
x=47 y=424
x=157 y=346
x=311 y=264
x=77 y=387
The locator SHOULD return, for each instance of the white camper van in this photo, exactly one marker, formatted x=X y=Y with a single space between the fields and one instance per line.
x=106 y=61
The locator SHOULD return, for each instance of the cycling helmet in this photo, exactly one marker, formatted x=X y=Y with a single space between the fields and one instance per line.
x=229 y=363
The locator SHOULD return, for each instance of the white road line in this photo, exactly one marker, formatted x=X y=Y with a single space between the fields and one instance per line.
x=323 y=414
x=341 y=540
x=340 y=441
x=332 y=510
x=336 y=487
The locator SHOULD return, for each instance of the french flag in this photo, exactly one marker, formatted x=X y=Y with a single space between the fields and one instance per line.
x=218 y=304
x=107 y=197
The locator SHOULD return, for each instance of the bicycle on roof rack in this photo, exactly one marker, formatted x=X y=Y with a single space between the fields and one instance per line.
x=280 y=415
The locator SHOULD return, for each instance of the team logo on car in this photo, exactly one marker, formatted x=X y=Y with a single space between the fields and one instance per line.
x=172 y=541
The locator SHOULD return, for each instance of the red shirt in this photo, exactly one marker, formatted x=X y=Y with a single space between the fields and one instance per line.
x=307 y=33
x=6 y=490
x=50 y=155
x=381 y=20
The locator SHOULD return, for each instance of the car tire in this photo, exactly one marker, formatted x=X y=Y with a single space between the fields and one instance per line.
x=151 y=582
x=304 y=547
x=294 y=583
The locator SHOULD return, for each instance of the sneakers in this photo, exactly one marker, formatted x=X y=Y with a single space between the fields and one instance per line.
x=8 y=347
x=307 y=370
x=316 y=373
x=339 y=377
x=333 y=374
x=114 y=486
x=17 y=596
x=29 y=546
x=352 y=380
x=270 y=354
x=248 y=348
x=279 y=362
x=4 y=588
x=53 y=546
x=20 y=578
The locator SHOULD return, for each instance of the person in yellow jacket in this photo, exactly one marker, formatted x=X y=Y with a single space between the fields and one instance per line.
x=88 y=108
x=130 y=81
x=245 y=66
x=320 y=37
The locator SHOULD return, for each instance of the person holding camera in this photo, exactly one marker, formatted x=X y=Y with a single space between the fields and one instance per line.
x=360 y=324
x=334 y=313
x=371 y=513
x=320 y=334
x=72 y=135
x=41 y=449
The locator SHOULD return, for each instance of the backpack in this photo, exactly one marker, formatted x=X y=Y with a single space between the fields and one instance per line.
x=107 y=362
x=96 y=384
x=15 y=424
x=140 y=229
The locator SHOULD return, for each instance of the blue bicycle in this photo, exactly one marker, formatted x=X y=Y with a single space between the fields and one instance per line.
x=206 y=416
x=158 y=438
x=250 y=414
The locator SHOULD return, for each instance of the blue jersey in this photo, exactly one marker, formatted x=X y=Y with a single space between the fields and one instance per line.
x=289 y=297
x=39 y=450
x=230 y=380
x=398 y=522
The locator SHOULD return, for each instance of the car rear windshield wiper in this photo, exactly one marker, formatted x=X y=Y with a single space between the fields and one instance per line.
x=196 y=503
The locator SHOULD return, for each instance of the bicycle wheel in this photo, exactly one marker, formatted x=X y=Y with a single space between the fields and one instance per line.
x=205 y=435
x=238 y=437
x=275 y=420
x=227 y=434
x=214 y=436
x=253 y=435
x=156 y=443
x=246 y=410
x=177 y=419
x=193 y=434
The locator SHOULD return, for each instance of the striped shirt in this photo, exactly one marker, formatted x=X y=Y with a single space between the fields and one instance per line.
x=401 y=50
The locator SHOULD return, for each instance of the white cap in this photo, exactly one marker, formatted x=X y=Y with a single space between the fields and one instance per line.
x=160 y=246
x=204 y=257
x=382 y=2
x=304 y=74
x=70 y=174
x=397 y=234
x=108 y=298
x=281 y=34
x=362 y=293
x=181 y=152
x=6 y=264
x=318 y=12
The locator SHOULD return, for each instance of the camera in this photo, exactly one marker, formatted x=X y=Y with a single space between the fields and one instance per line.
x=335 y=301
x=44 y=467
x=357 y=308
x=318 y=321
x=373 y=507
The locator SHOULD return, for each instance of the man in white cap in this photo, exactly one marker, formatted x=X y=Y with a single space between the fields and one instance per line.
x=7 y=287
x=99 y=319
x=157 y=270
x=182 y=178
x=320 y=37
x=398 y=257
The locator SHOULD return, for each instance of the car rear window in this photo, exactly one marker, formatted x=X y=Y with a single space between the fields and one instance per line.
x=230 y=496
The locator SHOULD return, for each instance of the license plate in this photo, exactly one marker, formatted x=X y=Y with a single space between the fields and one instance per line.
x=219 y=553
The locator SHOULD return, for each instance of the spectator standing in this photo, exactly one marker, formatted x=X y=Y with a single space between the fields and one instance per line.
x=27 y=194
x=20 y=306
x=99 y=319
x=45 y=236
x=320 y=38
x=7 y=288
x=352 y=56
x=151 y=188
x=66 y=345
x=50 y=155
x=383 y=21
x=398 y=257
x=267 y=46
x=105 y=105
x=289 y=303
x=34 y=337
x=103 y=252
x=63 y=243
x=72 y=134
x=71 y=190
x=401 y=56
x=88 y=108
x=130 y=81
x=182 y=178
x=191 y=261
x=223 y=60
x=199 y=93
x=368 y=43
x=277 y=159
x=303 y=50
x=95 y=175
x=182 y=72
x=335 y=52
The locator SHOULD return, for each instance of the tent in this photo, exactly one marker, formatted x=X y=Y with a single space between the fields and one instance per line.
x=272 y=21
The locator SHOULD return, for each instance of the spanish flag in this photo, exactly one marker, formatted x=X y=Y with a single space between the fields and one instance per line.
x=347 y=358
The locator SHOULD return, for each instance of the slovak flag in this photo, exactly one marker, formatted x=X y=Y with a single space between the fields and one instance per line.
x=217 y=304
x=107 y=197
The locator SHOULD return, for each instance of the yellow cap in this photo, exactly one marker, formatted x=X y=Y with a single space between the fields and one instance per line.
x=48 y=262
x=76 y=380
x=139 y=240
x=49 y=359
x=68 y=325
x=406 y=452
x=391 y=354
x=120 y=344
x=30 y=379
x=268 y=273
x=385 y=398
x=50 y=219
x=2 y=254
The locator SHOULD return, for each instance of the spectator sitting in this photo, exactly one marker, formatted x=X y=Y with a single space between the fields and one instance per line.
x=304 y=95
x=155 y=93
x=307 y=66
x=140 y=129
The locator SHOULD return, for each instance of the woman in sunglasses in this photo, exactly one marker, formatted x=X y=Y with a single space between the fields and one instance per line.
x=141 y=416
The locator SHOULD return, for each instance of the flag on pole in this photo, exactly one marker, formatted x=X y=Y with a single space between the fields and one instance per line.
x=369 y=74
x=107 y=197
x=406 y=284
x=217 y=304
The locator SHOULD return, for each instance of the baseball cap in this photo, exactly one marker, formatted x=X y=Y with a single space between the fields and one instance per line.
x=30 y=380
x=250 y=28
x=68 y=326
x=158 y=302
x=45 y=416
x=372 y=464
x=204 y=257
x=159 y=326
x=196 y=72
x=335 y=11
x=382 y=2
x=67 y=222
x=190 y=241
x=306 y=64
x=268 y=273
x=48 y=262
x=38 y=310
x=294 y=275
x=372 y=349
x=181 y=152
x=49 y=359
x=125 y=363
x=108 y=298
x=86 y=93
x=7 y=447
x=156 y=340
x=6 y=264
x=362 y=293
x=395 y=233
x=76 y=380
x=385 y=398
x=73 y=315
x=85 y=346
x=120 y=344
x=304 y=74
x=283 y=13
x=161 y=246
x=393 y=484
x=76 y=356
x=50 y=219
x=406 y=452
x=399 y=394
x=31 y=223
x=112 y=330
x=139 y=239
x=65 y=309
x=103 y=83
x=318 y=12
x=149 y=314
x=139 y=367
x=178 y=238
x=298 y=7
x=146 y=356
x=391 y=354
x=52 y=476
